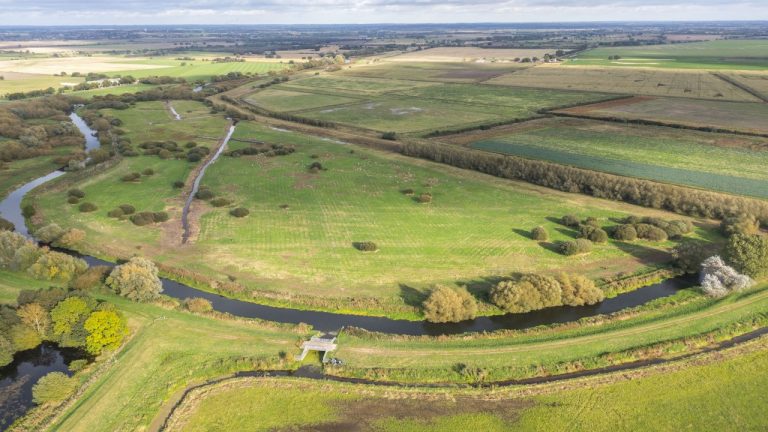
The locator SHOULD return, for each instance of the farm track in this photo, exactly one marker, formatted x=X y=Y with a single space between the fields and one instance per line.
x=741 y=86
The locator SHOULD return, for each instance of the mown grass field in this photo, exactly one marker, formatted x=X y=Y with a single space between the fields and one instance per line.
x=283 y=100
x=476 y=226
x=718 y=54
x=153 y=121
x=715 y=395
x=355 y=85
x=651 y=82
x=195 y=70
x=547 y=351
x=167 y=350
x=719 y=162
x=739 y=116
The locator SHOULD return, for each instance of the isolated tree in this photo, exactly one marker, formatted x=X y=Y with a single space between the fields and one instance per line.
x=446 y=304
x=540 y=234
x=35 y=317
x=748 y=254
x=598 y=235
x=570 y=220
x=575 y=247
x=718 y=280
x=137 y=280
x=106 y=330
x=53 y=387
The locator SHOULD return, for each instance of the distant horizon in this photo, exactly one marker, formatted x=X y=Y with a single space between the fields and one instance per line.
x=47 y=13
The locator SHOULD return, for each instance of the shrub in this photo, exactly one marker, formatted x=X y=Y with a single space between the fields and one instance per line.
x=90 y=279
x=625 y=233
x=718 y=280
x=164 y=154
x=688 y=255
x=116 y=213
x=748 y=254
x=598 y=235
x=143 y=218
x=449 y=305
x=577 y=290
x=239 y=212
x=220 y=202
x=77 y=193
x=526 y=293
x=392 y=136
x=204 y=194
x=6 y=225
x=366 y=246
x=570 y=221
x=198 y=305
x=127 y=209
x=650 y=232
x=148 y=172
x=575 y=247
x=741 y=224
x=539 y=234
x=159 y=217
x=49 y=233
x=53 y=387
x=178 y=184
x=408 y=192
x=424 y=198
x=77 y=365
x=28 y=211
x=137 y=280
x=193 y=157
x=132 y=177
x=87 y=207
x=592 y=221
x=73 y=200
x=315 y=167
x=71 y=238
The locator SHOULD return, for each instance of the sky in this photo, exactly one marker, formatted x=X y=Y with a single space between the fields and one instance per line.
x=112 y=12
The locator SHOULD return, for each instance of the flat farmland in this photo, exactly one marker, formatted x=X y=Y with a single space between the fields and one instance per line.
x=757 y=82
x=720 y=162
x=284 y=100
x=194 y=70
x=354 y=85
x=651 y=82
x=465 y=72
x=468 y=54
x=13 y=82
x=718 y=54
x=739 y=116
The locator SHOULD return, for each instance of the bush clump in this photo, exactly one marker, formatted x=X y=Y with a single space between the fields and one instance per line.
x=575 y=247
x=740 y=224
x=529 y=292
x=239 y=212
x=178 y=184
x=116 y=213
x=366 y=246
x=77 y=193
x=748 y=254
x=204 y=194
x=315 y=167
x=132 y=177
x=146 y=218
x=650 y=232
x=148 y=172
x=625 y=232
x=28 y=211
x=220 y=202
x=73 y=200
x=424 y=198
x=53 y=387
x=87 y=207
x=391 y=136
x=198 y=305
x=570 y=221
x=449 y=305
x=127 y=209
x=718 y=280
x=6 y=225
x=598 y=235
x=539 y=234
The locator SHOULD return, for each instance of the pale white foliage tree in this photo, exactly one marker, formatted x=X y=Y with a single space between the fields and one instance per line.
x=718 y=279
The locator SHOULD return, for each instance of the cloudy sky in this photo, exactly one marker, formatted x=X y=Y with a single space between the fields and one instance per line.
x=16 y=12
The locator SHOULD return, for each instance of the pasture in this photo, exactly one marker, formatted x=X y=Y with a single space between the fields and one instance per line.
x=299 y=236
x=194 y=70
x=356 y=86
x=718 y=162
x=650 y=82
x=279 y=99
x=718 y=54
x=468 y=54
x=738 y=116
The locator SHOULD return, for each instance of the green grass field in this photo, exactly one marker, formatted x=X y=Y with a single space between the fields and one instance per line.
x=354 y=85
x=195 y=70
x=717 y=395
x=475 y=227
x=284 y=100
x=464 y=72
x=718 y=162
x=11 y=283
x=718 y=54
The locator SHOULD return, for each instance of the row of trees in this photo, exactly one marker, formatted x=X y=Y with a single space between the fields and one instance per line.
x=521 y=293
x=636 y=191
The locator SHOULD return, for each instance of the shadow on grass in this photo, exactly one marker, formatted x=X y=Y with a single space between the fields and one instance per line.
x=523 y=233
x=553 y=247
x=411 y=296
x=644 y=254
x=479 y=288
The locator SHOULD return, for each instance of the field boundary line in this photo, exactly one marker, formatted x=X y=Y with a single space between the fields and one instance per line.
x=740 y=85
